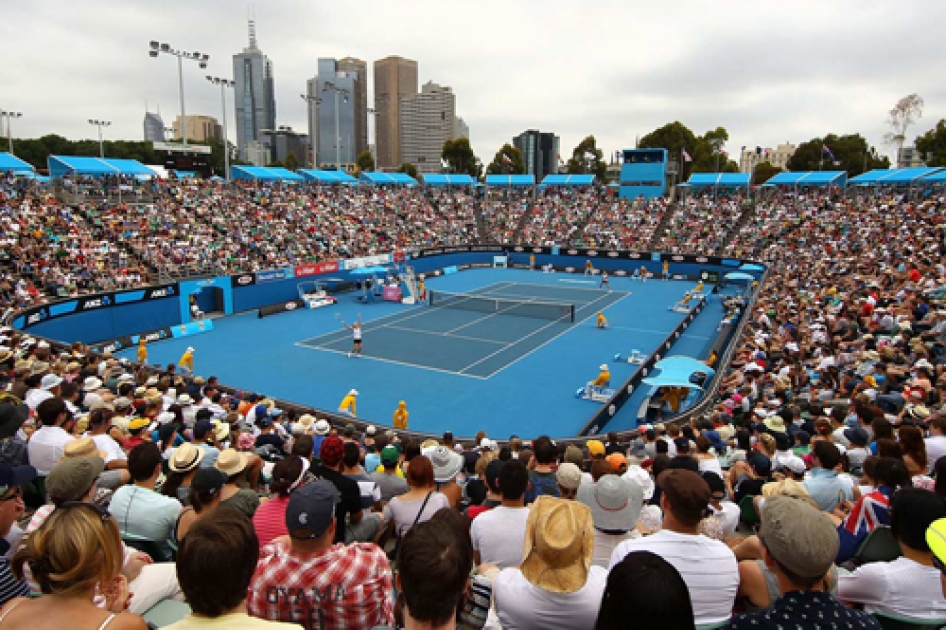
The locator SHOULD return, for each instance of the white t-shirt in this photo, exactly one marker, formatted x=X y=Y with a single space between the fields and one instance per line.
x=707 y=566
x=901 y=587
x=110 y=447
x=728 y=516
x=498 y=535
x=46 y=447
x=520 y=605
x=935 y=448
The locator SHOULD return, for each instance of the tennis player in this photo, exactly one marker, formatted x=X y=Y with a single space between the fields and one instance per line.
x=604 y=281
x=356 y=334
x=602 y=320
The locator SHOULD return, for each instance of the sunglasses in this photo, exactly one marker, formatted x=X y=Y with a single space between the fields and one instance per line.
x=17 y=492
x=102 y=513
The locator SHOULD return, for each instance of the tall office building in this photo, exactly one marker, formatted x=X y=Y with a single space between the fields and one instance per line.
x=460 y=129
x=254 y=95
x=337 y=133
x=199 y=128
x=394 y=78
x=284 y=141
x=539 y=152
x=427 y=122
x=358 y=70
x=154 y=127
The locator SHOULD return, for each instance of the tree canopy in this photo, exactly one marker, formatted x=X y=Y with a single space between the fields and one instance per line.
x=365 y=162
x=512 y=164
x=932 y=145
x=408 y=168
x=292 y=162
x=763 y=172
x=460 y=158
x=706 y=151
x=588 y=158
x=851 y=154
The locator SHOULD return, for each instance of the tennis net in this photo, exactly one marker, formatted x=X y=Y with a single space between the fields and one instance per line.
x=499 y=306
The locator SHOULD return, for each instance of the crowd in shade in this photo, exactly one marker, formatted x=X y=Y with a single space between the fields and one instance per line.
x=812 y=495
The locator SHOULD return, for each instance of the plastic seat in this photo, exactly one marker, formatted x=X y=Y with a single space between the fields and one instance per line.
x=879 y=546
x=747 y=513
x=150 y=547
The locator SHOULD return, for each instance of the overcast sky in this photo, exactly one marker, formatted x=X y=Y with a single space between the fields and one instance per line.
x=768 y=72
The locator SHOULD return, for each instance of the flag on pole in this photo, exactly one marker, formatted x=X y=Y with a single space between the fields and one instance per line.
x=724 y=152
x=827 y=151
x=686 y=156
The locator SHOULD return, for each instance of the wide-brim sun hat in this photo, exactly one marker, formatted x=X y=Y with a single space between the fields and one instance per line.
x=559 y=545
x=186 y=458
x=231 y=462
x=322 y=427
x=447 y=464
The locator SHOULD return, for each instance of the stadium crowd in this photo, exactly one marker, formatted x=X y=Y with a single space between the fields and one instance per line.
x=813 y=495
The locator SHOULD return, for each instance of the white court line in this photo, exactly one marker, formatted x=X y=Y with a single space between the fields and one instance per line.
x=550 y=286
x=521 y=357
x=392 y=361
x=529 y=335
x=445 y=334
x=395 y=318
x=578 y=282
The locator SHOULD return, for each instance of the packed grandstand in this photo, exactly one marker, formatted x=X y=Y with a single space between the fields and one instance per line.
x=810 y=494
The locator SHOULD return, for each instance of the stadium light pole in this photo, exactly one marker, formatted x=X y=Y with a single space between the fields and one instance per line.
x=10 y=116
x=315 y=127
x=331 y=87
x=224 y=83
x=155 y=49
x=100 y=124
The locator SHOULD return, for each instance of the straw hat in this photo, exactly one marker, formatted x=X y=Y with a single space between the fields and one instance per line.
x=186 y=458
x=559 y=545
x=231 y=462
x=82 y=447
x=221 y=430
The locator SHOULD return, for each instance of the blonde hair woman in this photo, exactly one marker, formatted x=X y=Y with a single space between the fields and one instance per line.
x=75 y=556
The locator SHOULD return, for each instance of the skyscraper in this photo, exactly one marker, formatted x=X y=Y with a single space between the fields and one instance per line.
x=154 y=127
x=254 y=95
x=460 y=129
x=358 y=70
x=337 y=133
x=394 y=78
x=199 y=128
x=539 y=152
x=427 y=122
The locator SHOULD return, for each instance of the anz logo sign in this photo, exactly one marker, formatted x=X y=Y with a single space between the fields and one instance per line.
x=36 y=317
x=161 y=293
x=96 y=303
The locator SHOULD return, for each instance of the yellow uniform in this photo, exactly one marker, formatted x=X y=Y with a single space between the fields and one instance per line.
x=397 y=470
x=699 y=288
x=400 y=416
x=604 y=377
x=422 y=290
x=666 y=270
x=349 y=403
x=187 y=359
x=602 y=320
x=142 y=352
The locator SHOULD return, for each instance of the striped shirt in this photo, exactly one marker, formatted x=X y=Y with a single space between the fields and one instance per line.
x=10 y=587
x=269 y=520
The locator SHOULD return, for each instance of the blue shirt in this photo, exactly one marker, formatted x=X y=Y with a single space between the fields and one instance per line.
x=372 y=461
x=826 y=489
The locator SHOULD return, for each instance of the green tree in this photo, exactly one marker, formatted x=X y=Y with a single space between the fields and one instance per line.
x=507 y=161
x=763 y=172
x=932 y=145
x=900 y=117
x=588 y=158
x=277 y=163
x=676 y=138
x=292 y=162
x=365 y=162
x=460 y=158
x=408 y=168
x=851 y=154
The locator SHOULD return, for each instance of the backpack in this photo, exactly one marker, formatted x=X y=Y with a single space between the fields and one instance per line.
x=540 y=484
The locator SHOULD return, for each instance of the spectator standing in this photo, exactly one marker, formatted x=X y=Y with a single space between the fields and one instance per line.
x=497 y=534
x=307 y=578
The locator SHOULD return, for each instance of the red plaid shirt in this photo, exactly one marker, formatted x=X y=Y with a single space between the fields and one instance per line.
x=341 y=588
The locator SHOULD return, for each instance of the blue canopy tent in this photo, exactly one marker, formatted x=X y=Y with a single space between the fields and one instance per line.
x=253 y=174
x=448 y=180
x=719 y=180
x=327 y=177
x=396 y=179
x=568 y=180
x=894 y=176
x=939 y=177
x=9 y=162
x=285 y=174
x=810 y=178
x=185 y=174
x=751 y=267
x=61 y=165
x=677 y=371
x=510 y=181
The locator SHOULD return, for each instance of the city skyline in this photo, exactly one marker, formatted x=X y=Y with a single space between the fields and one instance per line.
x=766 y=73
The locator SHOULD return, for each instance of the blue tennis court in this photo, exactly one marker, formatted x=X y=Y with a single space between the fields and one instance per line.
x=476 y=337
x=459 y=370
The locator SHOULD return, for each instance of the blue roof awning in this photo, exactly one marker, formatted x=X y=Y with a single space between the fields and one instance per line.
x=676 y=372
x=432 y=179
x=719 y=180
x=809 y=178
x=569 y=180
x=507 y=181
x=10 y=162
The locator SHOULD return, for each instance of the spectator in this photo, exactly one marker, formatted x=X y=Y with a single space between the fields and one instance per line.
x=724 y=512
x=183 y=465
x=542 y=479
x=12 y=481
x=85 y=447
x=556 y=576
x=568 y=479
x=142 y=513
x=683 y=459
x=349 y=513
x=269 y=520
x=75 y=555
x=615 y=505
x=215 y=566
x=434 y=566
x=204 y=498
x=498 y=534
x=747 y=478
x=799 y=545
x=494 y=497
x=645 y=591
x=48 y=444
x=308 y=578
x=936 y=539
x=708 y=566
x=389 y=482
x=419 y=503
x=447 y=465
x=823 y=485
x=233 y=464
x=907 y=586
